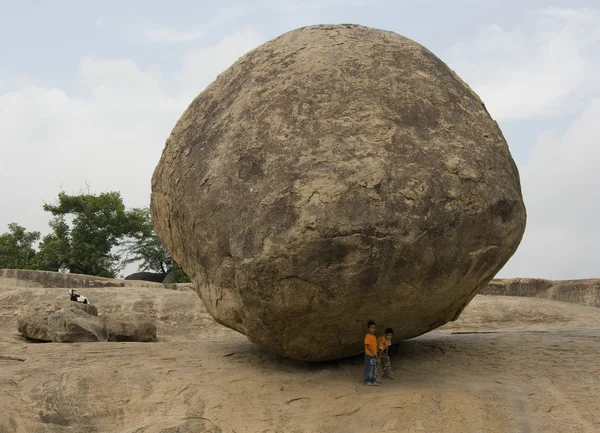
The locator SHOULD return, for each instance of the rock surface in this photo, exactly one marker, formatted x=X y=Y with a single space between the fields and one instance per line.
x=73 y=325
x=47 y=279
x=334 y=175
x=69 y=322
x=130 y=326
x=506 y=365
x=32 y=322
x=582 y=292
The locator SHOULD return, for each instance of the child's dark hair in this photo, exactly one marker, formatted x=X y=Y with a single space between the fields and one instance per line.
x=389 y=331
x=369 y=323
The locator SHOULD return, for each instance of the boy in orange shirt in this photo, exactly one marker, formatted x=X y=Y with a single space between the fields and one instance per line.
x=383 y=358
x=370 y=355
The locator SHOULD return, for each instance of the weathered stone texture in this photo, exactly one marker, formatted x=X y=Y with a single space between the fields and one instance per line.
x=333 y=175
x=130 y=326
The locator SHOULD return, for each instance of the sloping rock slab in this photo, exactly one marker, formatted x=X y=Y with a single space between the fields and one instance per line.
x=30 y=278
x=130 y=326
x=582 y=292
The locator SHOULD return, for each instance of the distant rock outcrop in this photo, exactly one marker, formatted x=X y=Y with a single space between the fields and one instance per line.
x=582 y=292
x=31 y=278
x=146 y=276
x=57 y=279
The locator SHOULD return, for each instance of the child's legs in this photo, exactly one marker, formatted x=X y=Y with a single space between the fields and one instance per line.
x=369 y=368
x=386 y=366
x=373 y=369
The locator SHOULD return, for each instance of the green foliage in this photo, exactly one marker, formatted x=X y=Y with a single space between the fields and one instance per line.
x=16 y=248
x=177 y=275
x=99 y=224
x=89 y=234
x=55 y=249
x=145 y=247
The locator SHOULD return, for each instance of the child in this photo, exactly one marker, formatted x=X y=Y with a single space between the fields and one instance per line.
x=370 y=355
x=383 y=358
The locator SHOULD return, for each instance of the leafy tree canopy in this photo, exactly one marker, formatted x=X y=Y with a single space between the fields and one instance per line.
x=90 y=233
x=145 y=247
x=87 y=246
x=16 y=248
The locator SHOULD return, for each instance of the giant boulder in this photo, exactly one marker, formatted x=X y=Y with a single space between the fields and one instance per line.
x=333 y=175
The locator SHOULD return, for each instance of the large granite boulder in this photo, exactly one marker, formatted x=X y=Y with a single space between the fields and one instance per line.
x=74 y=325
x=333 y=175
x=130 y=326
x=32 y=323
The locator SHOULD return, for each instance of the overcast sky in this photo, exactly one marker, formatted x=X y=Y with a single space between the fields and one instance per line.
x=89 y=91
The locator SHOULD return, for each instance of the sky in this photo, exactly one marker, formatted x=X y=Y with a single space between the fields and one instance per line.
x=89 y=92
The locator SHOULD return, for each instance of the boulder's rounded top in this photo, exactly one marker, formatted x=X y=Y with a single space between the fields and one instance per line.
x=319 y=29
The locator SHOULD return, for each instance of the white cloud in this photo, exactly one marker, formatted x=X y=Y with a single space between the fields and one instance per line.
x=206 y=63
x=561 y=187
x=168 y=34
x=582 y=15
x=303 y=5
x=112 y=138
x=550 y=69
x=536 y=72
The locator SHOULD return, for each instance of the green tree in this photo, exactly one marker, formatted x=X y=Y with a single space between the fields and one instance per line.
x=55 y=248
x=16 y=248
x=147 y=249
x=99 y=225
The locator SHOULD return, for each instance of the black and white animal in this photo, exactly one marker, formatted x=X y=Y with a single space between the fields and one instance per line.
x=77 y=298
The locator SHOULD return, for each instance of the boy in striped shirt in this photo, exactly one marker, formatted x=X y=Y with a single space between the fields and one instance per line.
x=383 y=358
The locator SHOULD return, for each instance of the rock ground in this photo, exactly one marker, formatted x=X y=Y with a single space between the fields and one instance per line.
x=507 y=365
x=583 y=292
